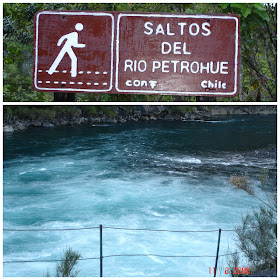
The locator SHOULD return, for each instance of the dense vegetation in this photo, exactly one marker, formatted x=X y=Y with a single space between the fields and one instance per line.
x=258 y=48
x=50 y=113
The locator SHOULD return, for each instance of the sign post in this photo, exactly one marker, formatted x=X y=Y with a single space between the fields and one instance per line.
x=136 y=53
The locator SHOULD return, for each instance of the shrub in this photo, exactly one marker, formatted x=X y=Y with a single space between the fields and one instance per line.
x=66 y=111
x=89 y=111
x=257 y=235
x=66 y=268
x=109 y=111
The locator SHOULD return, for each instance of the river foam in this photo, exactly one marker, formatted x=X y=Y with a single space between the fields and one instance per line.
x=162 y=175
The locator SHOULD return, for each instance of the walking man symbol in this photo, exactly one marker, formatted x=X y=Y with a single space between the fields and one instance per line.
x=71 y=42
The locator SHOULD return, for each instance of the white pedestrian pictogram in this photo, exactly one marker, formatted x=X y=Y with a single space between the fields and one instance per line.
x=71 y=42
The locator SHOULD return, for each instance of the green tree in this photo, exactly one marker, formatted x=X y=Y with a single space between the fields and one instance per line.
x=258 y=49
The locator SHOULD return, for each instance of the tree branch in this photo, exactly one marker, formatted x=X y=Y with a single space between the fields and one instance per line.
x=267 y=50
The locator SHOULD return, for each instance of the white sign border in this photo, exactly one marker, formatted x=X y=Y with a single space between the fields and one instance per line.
x=36 y=51
x=180 y=92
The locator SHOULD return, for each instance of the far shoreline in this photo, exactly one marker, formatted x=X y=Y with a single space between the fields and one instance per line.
x=17 y=118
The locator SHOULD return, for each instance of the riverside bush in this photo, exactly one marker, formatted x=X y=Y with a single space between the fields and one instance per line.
x=67 y=267
x=29 y=113
x=89 y=111
x=257 y=235
x=67 y=111
x=109 y=111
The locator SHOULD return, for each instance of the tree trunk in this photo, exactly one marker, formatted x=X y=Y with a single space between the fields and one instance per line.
x=64 y=97
x=205 y=99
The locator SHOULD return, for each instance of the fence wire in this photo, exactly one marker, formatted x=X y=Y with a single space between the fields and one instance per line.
x=118 y=255
x=117 y=228
x=123 y=255
x=160 y=230
x=50 y=229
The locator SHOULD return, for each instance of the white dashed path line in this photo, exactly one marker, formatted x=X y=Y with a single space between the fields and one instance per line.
x=80 y=72
x=73 y=83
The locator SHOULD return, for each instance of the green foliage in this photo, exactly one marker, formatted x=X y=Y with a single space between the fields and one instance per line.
x=89 y=110
x=127 y=109
x=257 y=236
x=67 y=267
x=109 y=111
x=48 y=113
x=7 y=113
x=183 y=109
x=258 y=47
x=257 y=239
x=256 y=11
x=29 y=113
x=66 y=111
x=18 y=84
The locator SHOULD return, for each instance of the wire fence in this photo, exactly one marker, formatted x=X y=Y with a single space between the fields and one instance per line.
x=101 y=256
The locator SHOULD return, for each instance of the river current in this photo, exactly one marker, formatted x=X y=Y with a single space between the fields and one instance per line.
x=163 y=175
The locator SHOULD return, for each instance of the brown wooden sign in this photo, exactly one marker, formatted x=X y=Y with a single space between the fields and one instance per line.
x=136 y=53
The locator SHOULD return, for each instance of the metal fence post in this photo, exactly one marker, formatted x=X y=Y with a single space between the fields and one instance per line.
x=101 y=253
x=217 y=255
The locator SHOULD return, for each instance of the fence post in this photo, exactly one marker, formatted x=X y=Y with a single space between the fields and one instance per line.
x=101 y=253
x=217 y=255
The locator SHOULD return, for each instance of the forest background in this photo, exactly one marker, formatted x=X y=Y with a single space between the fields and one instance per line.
x=258 y=49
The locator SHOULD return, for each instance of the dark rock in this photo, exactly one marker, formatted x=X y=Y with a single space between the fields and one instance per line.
x=95 y=120
x=20 y=126
x=64 y=122
x=122 y=120
x=153 y=118
x=168 y=117
x=144 y=118
x=137 y=113
x=56 y=123
x=47 y=124
x=37 y=123
x=112 y=120
x=160 y=109
x=78 y=120
x=8 y=128
x=265 y=273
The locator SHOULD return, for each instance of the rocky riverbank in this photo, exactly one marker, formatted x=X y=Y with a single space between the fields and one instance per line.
x=23 y=117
